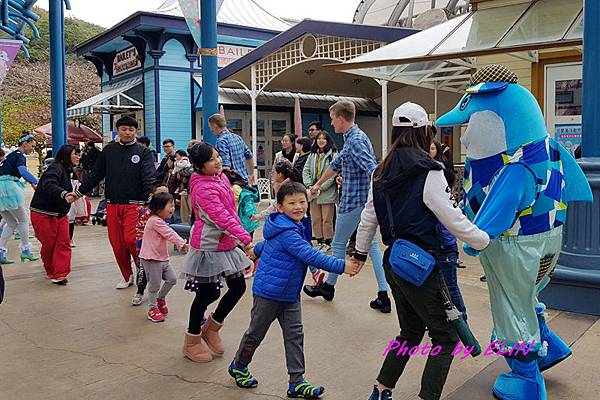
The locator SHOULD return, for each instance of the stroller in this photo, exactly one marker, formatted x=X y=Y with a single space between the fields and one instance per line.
x=99 y=217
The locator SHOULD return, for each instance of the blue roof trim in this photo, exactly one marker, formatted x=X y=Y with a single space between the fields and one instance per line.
x=167 y=22
x=355 y=31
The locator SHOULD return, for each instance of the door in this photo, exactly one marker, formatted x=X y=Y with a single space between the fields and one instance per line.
x=563 y=102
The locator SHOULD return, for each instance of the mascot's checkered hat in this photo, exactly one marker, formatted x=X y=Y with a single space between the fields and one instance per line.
x=493 y=73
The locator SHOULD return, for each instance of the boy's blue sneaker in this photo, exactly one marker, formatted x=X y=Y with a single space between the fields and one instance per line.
x=304 y=390
x=242 y=377
x=385 y=394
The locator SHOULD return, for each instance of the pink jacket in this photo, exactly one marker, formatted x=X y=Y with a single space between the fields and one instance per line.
x=156 y=235
x=217 y=226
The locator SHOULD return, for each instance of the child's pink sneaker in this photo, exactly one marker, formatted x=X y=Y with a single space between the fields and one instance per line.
x=248 y=273
x=318 y=277
x=162 y=306
x=155 y=315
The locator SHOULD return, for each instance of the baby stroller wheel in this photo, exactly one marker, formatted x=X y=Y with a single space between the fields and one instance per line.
x=103 y=222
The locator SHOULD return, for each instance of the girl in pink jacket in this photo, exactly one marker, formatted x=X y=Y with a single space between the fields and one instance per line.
x=216 y=254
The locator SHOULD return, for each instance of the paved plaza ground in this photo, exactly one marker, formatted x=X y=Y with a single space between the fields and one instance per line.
x=86 y=341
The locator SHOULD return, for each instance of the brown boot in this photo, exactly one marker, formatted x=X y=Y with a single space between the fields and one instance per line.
x=210 y=334
x=195 y=350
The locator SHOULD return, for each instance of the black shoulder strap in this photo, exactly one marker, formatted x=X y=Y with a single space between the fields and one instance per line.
x=388 y=204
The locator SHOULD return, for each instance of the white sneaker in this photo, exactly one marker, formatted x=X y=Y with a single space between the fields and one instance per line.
x=123 y=284
x=72 y=244
x=137 y=299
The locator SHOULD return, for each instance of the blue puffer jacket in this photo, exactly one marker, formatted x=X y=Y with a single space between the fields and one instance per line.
x=284 y=257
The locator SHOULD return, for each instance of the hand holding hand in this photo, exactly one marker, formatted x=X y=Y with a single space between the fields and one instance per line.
x=255 y=217
x=352 y=268
x=339 y=180
x=314 y=190
x=185 y=248
x=34 y=186
x=71 y=197
x=359 y=263
x=252 y=180
x=250 y=252
x=470 y=251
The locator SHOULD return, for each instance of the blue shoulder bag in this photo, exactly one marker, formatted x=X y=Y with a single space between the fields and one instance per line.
x=408 y=261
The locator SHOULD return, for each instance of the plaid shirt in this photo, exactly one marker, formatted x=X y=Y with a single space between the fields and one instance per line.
x=234 y=152
x=356 y=162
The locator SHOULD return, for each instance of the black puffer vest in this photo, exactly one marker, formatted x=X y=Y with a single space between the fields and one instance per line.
x=404 y=182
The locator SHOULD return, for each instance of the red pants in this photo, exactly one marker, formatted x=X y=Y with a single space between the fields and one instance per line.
x=121 y=220
x=53 y=234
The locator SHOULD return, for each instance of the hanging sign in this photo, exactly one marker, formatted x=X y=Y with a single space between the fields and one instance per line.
x=125 y=61
x=8 y=52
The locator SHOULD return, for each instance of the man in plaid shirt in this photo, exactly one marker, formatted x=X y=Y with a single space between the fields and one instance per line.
x=232 y=149
x=356 y=162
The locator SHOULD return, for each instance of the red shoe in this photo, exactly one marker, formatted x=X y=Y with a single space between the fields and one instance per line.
x=162 y=306
x=155 y=315
x=318 y=277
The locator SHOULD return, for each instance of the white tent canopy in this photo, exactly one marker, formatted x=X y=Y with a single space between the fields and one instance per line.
x=442 y=56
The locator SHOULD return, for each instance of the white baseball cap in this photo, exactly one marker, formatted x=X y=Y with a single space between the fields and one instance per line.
x=412 y=112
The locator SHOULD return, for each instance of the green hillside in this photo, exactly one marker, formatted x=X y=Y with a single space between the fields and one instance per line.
x=26 y=90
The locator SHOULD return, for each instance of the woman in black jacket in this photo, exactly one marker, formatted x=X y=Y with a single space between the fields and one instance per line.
x=49 y=208
x=412 y=185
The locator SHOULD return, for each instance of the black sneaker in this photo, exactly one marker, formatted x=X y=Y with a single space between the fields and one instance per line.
x=483 y=278
x=385 y=394
x=325 y=290
x=382 y=303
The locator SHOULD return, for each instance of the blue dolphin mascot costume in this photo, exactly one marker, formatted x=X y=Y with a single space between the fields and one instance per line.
x=518 y=182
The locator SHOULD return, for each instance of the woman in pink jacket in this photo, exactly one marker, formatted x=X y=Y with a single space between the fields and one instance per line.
x=216 y=254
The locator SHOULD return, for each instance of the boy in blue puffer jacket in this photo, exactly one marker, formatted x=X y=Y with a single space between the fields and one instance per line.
x=284 y=257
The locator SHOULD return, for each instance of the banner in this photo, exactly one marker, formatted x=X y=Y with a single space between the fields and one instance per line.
x=191 y=12
x=8 y=52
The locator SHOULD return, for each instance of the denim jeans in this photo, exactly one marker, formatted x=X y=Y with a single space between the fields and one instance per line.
x=345 y=225
x=447 y=262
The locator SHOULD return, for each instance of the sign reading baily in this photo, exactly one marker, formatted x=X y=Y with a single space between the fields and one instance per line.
x=228 y=53
x=125 y=61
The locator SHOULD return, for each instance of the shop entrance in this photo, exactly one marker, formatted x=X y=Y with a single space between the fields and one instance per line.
x=271 y=126
x=563 y=102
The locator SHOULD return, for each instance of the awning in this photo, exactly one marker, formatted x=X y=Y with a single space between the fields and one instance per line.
x=286 y=99
x=111 y=99
x=234 y=96
x=442 y=54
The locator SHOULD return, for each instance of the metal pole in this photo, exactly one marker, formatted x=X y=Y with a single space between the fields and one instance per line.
x=384 y=117
x=57 y=75
x=253 y=95
x=435 y=102
x=210 y=76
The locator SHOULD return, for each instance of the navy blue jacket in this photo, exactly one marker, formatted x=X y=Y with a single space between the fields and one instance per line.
x=284 y=257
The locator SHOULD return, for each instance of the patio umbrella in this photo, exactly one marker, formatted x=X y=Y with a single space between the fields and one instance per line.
x=75 y=134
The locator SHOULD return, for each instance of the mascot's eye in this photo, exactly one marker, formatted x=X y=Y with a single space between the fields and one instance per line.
x=465 y=102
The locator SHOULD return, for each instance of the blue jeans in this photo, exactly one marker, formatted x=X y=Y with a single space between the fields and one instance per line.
x=345 y=225
x=447 y=261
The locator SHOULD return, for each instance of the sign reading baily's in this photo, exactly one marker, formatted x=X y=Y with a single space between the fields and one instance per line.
x=125 y=61
x=228 y=53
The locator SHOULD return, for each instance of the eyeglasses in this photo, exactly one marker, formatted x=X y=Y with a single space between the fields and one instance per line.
x=312 y=129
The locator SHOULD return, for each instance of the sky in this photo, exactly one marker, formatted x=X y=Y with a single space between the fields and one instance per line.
x=107 y=13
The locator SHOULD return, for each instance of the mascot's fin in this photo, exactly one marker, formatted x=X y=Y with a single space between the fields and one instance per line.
x=577 y=185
